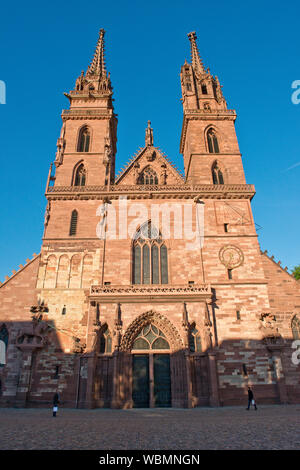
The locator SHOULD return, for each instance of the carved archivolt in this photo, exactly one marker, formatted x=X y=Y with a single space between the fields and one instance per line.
x=159 y=321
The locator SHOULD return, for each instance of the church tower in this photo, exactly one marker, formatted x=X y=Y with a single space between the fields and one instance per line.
x=86 y=148
x=208 y=140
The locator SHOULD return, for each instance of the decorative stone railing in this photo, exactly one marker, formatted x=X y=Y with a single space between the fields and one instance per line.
x=210 y=111
x=176 y=292
x=86 y=112
x=200 y=188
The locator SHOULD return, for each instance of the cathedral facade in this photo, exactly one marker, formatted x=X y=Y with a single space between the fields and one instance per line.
x=150 y=289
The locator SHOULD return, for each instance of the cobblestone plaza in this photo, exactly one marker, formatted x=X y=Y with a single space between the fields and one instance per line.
x=274 y=427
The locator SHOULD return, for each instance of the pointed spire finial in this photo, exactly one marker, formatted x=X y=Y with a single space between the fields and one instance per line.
x=98 y=63
x=149 y=135
x=196 y=60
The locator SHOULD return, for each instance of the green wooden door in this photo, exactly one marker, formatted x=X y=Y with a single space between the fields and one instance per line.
x=140 y=380
x=162 y=380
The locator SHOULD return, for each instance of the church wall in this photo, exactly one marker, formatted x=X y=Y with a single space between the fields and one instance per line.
x=284 y=295
x=17 y=295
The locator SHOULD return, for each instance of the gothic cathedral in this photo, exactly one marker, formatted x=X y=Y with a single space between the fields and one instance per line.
x=150 y=289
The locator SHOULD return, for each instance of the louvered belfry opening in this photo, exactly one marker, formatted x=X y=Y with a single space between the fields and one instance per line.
x=150 y=256
x=84 y=140
x=73 y=223
x=80 y=176
x=212 y=140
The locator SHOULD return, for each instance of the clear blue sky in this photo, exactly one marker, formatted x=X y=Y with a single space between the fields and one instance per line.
x=253 y=47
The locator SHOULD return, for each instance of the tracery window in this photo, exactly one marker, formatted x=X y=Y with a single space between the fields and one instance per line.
x=80 y=176
x=3 y=344
x=195 y=340
x=84 y=140
x=150 y=257
x=150 y=337
x=105 y=341
x=73 y=223
x=148 y=176
x=212 y=141
x=296 y=327
x=217 y=174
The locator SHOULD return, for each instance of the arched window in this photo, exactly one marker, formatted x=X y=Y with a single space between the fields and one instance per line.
x=150 y=256
x=195 y=340
x=73 y=223
x=150 y=337
x=3 y=345
x=217 y=174
x=296 y=327
x=212 y=141
x=148 y=176
x=80 y=176
x=84 y=140
x=105 y=341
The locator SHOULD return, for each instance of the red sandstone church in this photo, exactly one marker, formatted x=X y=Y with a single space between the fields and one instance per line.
x=146 y=318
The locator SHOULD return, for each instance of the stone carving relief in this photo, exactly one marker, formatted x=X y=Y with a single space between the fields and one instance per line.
x=269 y=329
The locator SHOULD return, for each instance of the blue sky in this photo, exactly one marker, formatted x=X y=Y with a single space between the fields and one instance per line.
x=251 y=46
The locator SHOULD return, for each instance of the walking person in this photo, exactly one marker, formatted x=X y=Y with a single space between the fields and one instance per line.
x=251 y=400
x=55 y=404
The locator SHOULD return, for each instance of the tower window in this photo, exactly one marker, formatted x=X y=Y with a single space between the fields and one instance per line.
x=226 y=228
x=149 y=257
x=213 y=145
x=148 y=176
x=84 y=140
x=73 y=223
x=80 y=176
x=217 y=176
x=229 y=272
x=238 y=315
x=245 y=372
x=204 y=89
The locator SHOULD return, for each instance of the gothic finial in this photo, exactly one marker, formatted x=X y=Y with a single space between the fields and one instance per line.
x=149 y=135
x=98 y=63
x=196 y=60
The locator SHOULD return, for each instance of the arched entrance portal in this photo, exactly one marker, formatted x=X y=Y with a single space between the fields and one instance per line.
x=151 y=375
x=157 y=362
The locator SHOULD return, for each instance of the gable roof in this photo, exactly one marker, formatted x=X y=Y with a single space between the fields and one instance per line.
x=160 y=156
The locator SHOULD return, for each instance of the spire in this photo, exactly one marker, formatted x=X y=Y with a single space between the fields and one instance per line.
x=149 y=135
x=196 y=60
x=98 y=63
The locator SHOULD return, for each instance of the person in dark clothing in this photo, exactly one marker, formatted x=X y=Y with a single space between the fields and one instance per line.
x=251 y=400
x=55 y=403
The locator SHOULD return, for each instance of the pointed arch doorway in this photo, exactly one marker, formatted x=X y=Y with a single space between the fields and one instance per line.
x=151 y=374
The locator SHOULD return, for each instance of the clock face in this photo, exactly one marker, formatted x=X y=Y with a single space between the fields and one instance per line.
x=231 y=256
